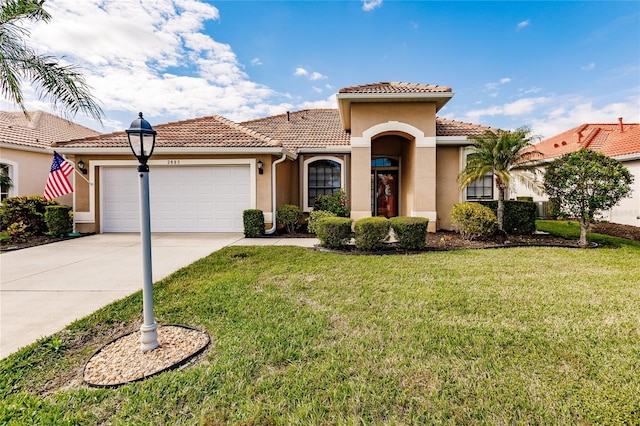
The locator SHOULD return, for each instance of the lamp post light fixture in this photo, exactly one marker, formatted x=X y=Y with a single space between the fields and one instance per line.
x=142 y=139
x=260 y=169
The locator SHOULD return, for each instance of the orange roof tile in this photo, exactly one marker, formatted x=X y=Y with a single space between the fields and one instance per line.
x=446 y=127
x=609 y=139
x=39 y=130
x=213 y=131
x=309 y=128
x=395 y=87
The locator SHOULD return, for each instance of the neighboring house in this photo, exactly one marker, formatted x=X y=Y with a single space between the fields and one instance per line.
x=384 y=146
x=26 y=153
x=619 y=140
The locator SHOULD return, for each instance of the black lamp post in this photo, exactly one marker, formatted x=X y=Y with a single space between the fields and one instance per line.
x=142 y=139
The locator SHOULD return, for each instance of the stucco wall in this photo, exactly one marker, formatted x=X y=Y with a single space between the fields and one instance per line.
x=447 y=193
x=421 y=115
x=32 y=172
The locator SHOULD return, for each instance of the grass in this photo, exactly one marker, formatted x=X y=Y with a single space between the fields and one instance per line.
x=503 y=336
x=571 y=229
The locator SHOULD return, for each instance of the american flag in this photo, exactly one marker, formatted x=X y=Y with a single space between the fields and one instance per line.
x=57 y=182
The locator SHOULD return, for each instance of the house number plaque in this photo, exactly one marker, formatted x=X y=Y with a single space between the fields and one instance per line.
x=173 y=162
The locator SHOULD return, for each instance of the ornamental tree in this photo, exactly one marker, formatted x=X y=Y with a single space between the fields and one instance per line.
x=585 y=183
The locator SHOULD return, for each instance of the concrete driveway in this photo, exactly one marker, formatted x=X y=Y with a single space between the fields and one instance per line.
x=43 y=289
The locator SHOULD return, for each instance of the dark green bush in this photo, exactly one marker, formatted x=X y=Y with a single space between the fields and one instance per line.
x=474 y=220
x=314 y=217
x=59 y=220
x=334 y=232
x=28 y=210
x=336 y=203
x=411 y=232
x=519 y=216
x=253 y=220
x=289 y=216
x=371 y=233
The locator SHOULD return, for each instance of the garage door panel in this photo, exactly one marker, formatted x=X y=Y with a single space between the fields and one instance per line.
x=184 y=199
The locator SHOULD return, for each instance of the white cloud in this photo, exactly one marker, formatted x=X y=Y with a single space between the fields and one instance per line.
x=505 y=80
x=523 y=24
x=316 y=89
x=316 y=76
x=589 y=66
x=163 y=64
x=300 y=71
x=369 y=5
x=329 y=102
x=256 y=61
x=550 y=115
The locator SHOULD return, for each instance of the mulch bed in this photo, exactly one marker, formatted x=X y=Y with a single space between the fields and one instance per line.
x=441 y=240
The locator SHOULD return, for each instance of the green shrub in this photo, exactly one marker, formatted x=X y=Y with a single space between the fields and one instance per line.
x=411 y=232
x=473 y=220
x=253 y=220
x=28 y=210
x=59 y=220
x=371 y=233
x=337 y=203
x=17 y=231
x=519 y=216
x=289 y=216
x=314 y=217
x=334 y=232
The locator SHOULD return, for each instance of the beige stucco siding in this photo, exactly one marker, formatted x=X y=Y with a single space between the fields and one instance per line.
x=30 y=172
x=421 y=115
x=447 y=193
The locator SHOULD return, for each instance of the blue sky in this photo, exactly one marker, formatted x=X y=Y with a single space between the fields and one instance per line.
x=545 y=64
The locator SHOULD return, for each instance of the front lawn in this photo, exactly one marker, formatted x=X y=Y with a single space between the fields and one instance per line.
x=500 y=336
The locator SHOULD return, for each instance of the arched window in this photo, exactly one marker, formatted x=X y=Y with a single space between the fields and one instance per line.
x=323 y=177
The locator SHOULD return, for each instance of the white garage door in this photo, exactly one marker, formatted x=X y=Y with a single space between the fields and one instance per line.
x=183 y=199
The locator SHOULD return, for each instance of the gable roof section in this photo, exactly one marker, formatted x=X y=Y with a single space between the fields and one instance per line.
x=613 y=140
x=39 y=130
x=309 y=128
x=203 y=132
x=447 y=127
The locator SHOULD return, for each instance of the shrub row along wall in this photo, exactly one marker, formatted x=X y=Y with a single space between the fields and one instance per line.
x=519 y=216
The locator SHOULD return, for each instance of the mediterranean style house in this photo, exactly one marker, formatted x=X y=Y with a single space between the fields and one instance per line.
x=620 y=141
x=25 y=149
x=384 y=145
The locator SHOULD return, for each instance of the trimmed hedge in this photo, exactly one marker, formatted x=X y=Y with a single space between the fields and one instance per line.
x=334 y=232
x=473 y=220
x=289 y=215
x=253 y=220
x=26 y=210
x=411 y=232
x=371 y=233
x=314 y=217
x=59 y=220
x=519 y=216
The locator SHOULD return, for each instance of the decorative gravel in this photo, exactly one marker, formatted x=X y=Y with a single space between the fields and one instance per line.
x=121 y=361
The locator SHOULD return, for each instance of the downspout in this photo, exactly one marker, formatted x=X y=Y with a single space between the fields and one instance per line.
x=273 y=194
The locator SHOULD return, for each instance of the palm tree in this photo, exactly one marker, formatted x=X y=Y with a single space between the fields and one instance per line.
x=62 y=85
x=504 y=155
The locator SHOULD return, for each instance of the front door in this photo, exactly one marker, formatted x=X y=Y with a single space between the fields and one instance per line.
x=385 y=193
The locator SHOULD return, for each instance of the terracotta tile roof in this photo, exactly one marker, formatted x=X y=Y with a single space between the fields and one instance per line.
x=446 y=127
x=213 y=131
x=319 y=128
x=39 y=130
x=395 y=87
x=310 y=128
x=609 y=139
